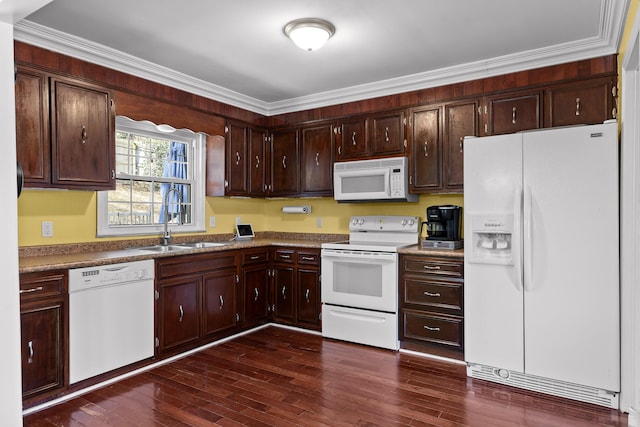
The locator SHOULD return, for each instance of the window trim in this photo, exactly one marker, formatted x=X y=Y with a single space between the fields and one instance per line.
x=198 y=163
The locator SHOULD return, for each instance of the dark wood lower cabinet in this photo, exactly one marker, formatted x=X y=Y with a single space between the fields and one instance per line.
x=431 y=304
x=295 y=290
x=43 y=330
x=196 y=299
x=255 y=281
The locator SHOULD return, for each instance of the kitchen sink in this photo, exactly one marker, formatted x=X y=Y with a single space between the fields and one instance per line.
x=161 y=248
x=198 y=245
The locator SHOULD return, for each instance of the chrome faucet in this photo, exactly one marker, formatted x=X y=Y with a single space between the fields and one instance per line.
x=166 y=236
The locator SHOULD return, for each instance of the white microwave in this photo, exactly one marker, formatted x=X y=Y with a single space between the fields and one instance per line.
x=372 y=180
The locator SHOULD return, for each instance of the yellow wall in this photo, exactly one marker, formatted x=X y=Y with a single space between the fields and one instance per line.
x=73 y=214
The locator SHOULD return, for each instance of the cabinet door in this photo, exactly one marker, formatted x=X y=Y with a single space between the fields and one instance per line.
x=236 y=162
x=426 y=155
x=82 y=139
x=514 y=113
x=32 y=126
x=283 y=293
x=388 y=134
x=353 y=139
x=461 y=119
x=309 y=297
x=219 y=289
x=317 y=160
x=256 y=279
x=178 y=312
x=257 y=161
x=589 y=102
x=42 y=348
x=285 y=164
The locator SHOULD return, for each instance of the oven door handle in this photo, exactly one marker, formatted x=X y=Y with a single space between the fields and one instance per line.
x=333 y=254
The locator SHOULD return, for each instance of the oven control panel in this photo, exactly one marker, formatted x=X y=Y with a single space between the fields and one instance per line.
x=408 y=224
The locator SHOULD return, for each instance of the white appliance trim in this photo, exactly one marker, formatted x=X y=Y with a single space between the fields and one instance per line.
x=629 y=240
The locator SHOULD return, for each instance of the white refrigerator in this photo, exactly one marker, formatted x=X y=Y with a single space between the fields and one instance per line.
x=541 y=291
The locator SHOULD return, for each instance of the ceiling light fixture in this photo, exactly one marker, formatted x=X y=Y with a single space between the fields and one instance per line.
x=309 y=33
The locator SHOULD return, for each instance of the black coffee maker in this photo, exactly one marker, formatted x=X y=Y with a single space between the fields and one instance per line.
x=443 y=227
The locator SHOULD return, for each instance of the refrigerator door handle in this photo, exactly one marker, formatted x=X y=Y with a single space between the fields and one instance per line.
x=517 y=234
x=528 y=242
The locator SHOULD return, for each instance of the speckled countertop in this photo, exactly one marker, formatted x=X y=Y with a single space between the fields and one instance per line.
x=418 y=250
x=52 y=257
x=43 y=258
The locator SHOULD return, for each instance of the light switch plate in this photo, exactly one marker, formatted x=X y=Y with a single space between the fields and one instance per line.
x=212 y=221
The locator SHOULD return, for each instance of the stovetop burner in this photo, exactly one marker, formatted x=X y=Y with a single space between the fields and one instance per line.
x=379 y=233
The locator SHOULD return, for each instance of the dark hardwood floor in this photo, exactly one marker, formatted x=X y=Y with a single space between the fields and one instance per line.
x=282 y=377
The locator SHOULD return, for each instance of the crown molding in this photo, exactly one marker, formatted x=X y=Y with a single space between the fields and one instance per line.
x=607 y=42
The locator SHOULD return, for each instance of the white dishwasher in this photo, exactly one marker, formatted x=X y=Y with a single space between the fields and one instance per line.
x=110 y=317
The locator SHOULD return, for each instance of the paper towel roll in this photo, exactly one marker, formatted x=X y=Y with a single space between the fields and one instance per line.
x=296 y=209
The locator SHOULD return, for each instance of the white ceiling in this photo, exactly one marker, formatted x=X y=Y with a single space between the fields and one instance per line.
x=236 y=52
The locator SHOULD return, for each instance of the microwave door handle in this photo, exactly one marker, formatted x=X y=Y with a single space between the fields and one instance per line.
x=387 y=183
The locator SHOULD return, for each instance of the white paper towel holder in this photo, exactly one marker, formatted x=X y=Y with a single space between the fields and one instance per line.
x=296 y=209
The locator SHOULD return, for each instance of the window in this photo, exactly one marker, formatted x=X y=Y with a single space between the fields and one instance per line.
x=158 y=176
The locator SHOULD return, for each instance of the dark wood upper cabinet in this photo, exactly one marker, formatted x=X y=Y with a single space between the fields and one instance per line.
x=513 y=112
x=317 y=159
x=236 y=159
x=353 y=138
x=285 y=163
x=32 y=126
x=426 y=154
x=82 y=136
x=258 y=162
x=586 y=102
x=388 y=134
x=461 y=119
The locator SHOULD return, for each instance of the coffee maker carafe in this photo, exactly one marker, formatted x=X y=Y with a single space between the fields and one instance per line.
x=443 y=227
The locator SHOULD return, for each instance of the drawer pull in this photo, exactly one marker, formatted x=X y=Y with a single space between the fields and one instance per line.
x=285 y=256
x=30 y=346
x=308 y=258
x=429 y=294
x=254 y=257
x=26 y=291
x=429 y=328
x=432 y=267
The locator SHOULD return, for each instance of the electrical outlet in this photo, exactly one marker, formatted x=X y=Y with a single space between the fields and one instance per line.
x=47 y=229
x=212 y=221
x=238 y=220
x=319 y=222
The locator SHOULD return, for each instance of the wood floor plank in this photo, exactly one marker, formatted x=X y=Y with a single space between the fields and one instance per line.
x=283 y=377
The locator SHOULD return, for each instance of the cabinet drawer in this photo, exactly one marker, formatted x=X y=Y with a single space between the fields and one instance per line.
x=191 y=264
x=284 y=255
x=433 y=328
x=438 y=266
x=308 y=258
x=254 y=257
x=42 y=285
x=433 y=294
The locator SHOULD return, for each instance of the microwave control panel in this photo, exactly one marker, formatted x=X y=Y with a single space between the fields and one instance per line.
x=397 y=183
